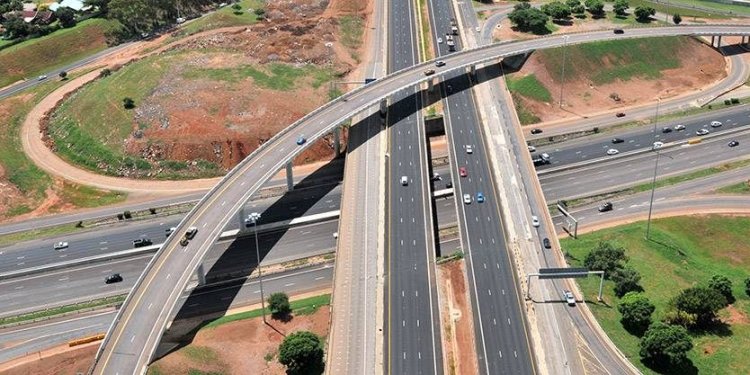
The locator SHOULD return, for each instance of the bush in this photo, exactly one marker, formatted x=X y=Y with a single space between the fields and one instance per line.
x=664 y=345
x=260 y=12
x=128 y=103
x=727 y=102
x=679 y=318
x=63 y=75
x=703 y=303
x=152 y=211
x=278 y=303
x=605 y=257
x=636 y=310
x=676 y=18
x=301 y=352
x=626 y=280
x=120 y=217
x=644 y=13
x=105 y=73
x=127 y=215
x=747 y=286
x=735 y=101
x=723 y=285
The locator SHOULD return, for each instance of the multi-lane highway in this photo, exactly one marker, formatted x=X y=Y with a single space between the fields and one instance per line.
x=136 y=332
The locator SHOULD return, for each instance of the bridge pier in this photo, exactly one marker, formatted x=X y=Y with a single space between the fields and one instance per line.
x=201 y=274
x=383 y=107
x=241 y=218
x=473 y=72
x=289 y=177
x=337 y=141
x=430 y=85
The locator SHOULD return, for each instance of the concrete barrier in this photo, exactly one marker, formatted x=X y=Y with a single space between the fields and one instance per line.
x=86 y=340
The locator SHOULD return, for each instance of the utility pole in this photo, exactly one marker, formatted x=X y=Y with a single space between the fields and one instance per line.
x=651 y=202
x=254 y=218
x=562 y=76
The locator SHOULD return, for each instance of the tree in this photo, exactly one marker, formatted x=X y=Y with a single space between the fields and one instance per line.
x=128 y=103
x=636 y=310
x=620 y=7
x=676 y=18
x=102 y=5
x=679 y=317
x=556 y=10
x=723 y=285
x=15 y=27
x=301 y=352
x=665 y=345
x=279 y=305
x=63 y=75
x=605 y=257
x=595 y=7
x=704 y=303
x=66 y=16
x=626 y=280
x=747 y=286
x=644 y=13
x=572 y=3
x=578 y=9
x=137 y=16
x=527 y=18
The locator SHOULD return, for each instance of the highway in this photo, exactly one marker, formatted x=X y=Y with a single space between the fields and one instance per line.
x=412 y=320
x=491 y=277
x=135 y=333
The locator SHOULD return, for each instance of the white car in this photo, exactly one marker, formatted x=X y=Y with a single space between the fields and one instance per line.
x=467 y=199
x=569 y=298
x=679 y=127
x=702 y=132
x=60 y=246
x=532 y=148
x=535 y=221
x=404 y=180
x=440 y=40
x=612 y=151
x=715 y=124
x=469 y=149
x=42 y=77
x=658 y=144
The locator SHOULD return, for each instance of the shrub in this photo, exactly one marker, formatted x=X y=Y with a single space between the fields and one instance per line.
x=626 y=280
x=278 y=303
x=704 y=303
x=664 y=345
x=128 y=103
x=636 y=310
x=605 y=257
x=127 y=215
x=747 y=286
x=723 y=285
x=301 y=352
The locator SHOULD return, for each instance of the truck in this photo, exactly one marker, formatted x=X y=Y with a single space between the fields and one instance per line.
x=541 y=160
x=454 y=26
x=449 y=41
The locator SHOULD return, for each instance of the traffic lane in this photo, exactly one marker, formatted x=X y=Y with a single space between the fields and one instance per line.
x=627 y=171
x=120 y=236
x=643 y=137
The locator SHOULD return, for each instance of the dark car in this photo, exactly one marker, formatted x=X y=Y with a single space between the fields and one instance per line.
x=666 y=129
x=620 y=114
x=536 y=131
x=617 y=140
x=619 y=31
x=142 y=242
x=449 y=88
x=607 y=206
x=546 y=243
x=733 y=143
x=113 y=278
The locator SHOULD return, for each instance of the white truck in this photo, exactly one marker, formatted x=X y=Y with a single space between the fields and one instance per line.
x=454 y=26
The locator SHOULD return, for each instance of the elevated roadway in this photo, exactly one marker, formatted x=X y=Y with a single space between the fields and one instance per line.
x=139 y=325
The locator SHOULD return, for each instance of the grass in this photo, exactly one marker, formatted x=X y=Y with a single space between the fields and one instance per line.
x=426 y=34
x=224 y=17
x=108 y=301
x=609 y=61
x=684 y=251
x=86 y=197
x=303 y=306
x=33 y=57
x=352 y=28
x=275 y=76
x=200 y=354
x=739 y=188
x=706 y=11
x=525 y=116
x=529 y=87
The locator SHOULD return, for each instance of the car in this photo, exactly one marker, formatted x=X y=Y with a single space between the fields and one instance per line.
x=301 y=140
x=113 y=278
x=449 y=184
x=546 y=243
x=612 y=151
x=169 y=231
x=536 y=131
x=702 y=132
x=180 y=19
x=141 y=242
x=436 y=176
x=42 y=77
x=531 y=148
x=335 y=235
x=462 y=172
x=60 y=246
x=469 y=149
x=715 y=124
x=404 y=180
x=569 y=298
x=658 y=144
x=191 y=232
x=480 y=197
x=606 y=206
x=429 y=72
x=535 y=221
x=619 y=31
x=666 y=129
x=733 y=143
x=620 y=114
x=467 y=199
x=617 y=140
x=439 y=63
x=440 y=40
x=679 y=127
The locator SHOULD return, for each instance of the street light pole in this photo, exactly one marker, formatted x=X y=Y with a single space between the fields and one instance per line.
x=254 y=217
x=651 y=203
x=562 y=76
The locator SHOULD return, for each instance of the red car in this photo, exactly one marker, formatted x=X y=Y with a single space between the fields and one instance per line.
x=462 y=172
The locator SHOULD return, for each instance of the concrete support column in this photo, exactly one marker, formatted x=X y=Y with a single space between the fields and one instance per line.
x=289 y=177
x=430 y=85
x=201 y=275
x=337 y=141
x=473 y=71
x=383 y=107
x=718 y=42
x=241 y=218
x=713 y=40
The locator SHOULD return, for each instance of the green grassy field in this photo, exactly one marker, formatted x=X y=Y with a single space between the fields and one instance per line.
x=606 y=62
x=280 y=77
x=740 y=188
x=736 y=9
x=351 y=27
x=303 y=306
x=529 y=87
x=224 y=17
x=684 y=251
x=36 y=56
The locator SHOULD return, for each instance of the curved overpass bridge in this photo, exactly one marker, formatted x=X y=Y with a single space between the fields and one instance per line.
x=136 y=331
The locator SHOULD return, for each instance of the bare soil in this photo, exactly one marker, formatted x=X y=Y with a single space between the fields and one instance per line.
x=56 y=361
x=242 y=347
x=700 y=66
x=456 y=320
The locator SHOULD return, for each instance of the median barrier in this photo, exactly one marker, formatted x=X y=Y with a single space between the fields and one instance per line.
x=86 y=340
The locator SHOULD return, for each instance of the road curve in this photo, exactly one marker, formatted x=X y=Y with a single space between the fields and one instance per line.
x=138 y=327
